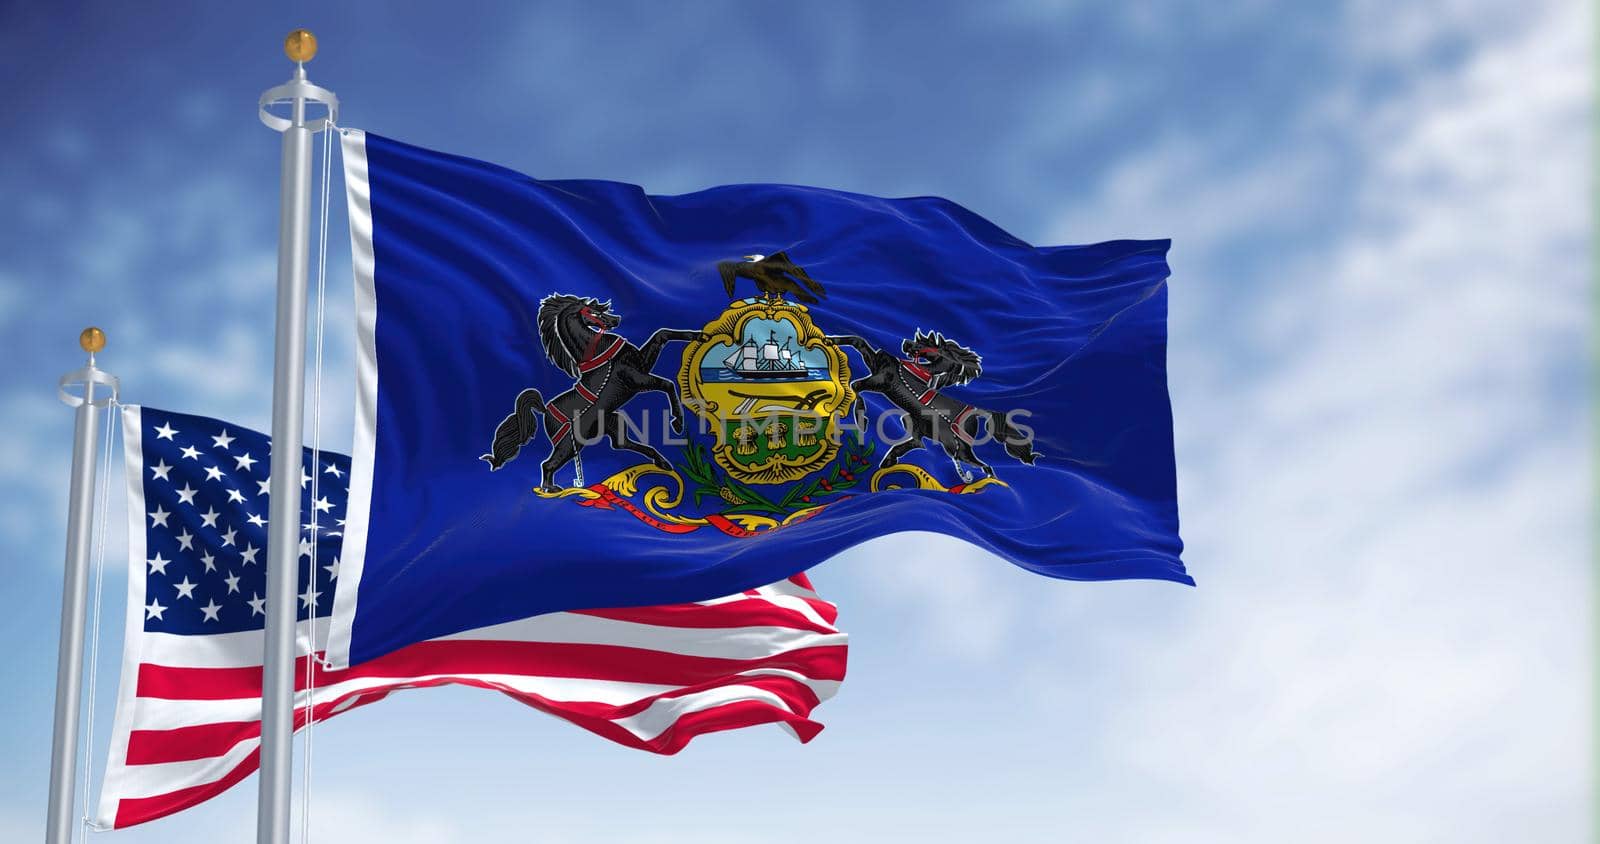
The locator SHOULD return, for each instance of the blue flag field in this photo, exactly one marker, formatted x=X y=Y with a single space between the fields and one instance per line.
x=572 y=394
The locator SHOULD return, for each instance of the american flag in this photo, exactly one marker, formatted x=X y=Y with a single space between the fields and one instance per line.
x=187 y=723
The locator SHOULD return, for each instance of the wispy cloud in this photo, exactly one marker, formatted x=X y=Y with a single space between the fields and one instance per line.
x=1385 y=505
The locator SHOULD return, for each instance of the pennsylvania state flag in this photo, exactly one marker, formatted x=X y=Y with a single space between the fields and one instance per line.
x=573 y=395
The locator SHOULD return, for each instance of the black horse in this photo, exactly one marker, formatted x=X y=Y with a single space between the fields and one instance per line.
x=609 y=371
x=913 y=383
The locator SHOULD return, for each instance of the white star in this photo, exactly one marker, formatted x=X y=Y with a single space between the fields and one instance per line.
x=185 y=588
x=227 y=538
x=340 y=521
x=311 y=526
x=256 y=520
x=209 y=561
x=233 y=582
x=334 y=533
x=191 y=452
x=304 y=478
x=263 y=485
x=154 y=610
x=256 y=602
x=213 y=473
x=186 y=541
x=309 y=597
x=161 y=469
x=323 y=505
x=234 y=495
x=158 y=565
x=333 y=470
x=248 y=555
x=210 y=609
x=166 y=431
x=244 y=461
x=333 y=569
x=159 y=517
x=305 y=547
x=186 y=495
x=222 y=440
x=209 y=517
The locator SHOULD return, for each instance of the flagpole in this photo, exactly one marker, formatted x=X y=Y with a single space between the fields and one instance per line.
x=288 y=408
x=74 y=585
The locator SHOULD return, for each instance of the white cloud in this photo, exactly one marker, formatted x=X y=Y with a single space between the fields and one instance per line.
x=1386 y=507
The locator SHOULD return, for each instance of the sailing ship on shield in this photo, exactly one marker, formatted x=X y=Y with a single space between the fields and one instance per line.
x=766 y=362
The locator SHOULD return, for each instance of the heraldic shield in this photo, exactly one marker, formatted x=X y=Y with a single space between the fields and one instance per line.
x=770 y=387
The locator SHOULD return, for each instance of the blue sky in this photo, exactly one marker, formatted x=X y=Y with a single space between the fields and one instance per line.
x=1379 y=365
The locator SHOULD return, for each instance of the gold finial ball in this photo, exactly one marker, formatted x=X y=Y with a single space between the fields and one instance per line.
x=92 y=340
x=300 y=46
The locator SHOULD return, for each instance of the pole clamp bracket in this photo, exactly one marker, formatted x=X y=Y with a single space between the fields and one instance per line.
x=298 y=88
x=81 y=379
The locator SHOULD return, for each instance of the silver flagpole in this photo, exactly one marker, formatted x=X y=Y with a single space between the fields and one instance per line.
x=69 y=656
x=288 y=401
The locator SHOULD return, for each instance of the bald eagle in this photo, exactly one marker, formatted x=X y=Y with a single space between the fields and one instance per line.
x=774 y=276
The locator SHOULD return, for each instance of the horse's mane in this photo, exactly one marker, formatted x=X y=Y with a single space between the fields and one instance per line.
x=551 y=311
x=958 y=363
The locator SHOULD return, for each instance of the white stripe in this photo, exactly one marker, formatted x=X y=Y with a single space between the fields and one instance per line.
x=788 y=587
x=114 y=783
x=243 y=649
x=220 y=650
x=167 y=777
x=797 y=604
x=718 y=642
x=657 y=717
x=358 y=506
x=163 y=714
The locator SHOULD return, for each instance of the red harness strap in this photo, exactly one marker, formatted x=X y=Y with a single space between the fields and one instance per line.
x=566 y=424
x=922 y=375
x=928 y=395
x=955 y=424
x=596 y=360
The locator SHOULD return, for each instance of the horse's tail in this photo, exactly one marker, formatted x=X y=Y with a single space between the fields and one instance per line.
x=1018 y=444
x=516 y=430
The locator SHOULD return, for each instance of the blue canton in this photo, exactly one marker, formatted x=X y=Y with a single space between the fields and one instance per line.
x=205 y=501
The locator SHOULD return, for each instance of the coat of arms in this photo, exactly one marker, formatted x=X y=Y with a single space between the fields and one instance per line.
x=782 y=427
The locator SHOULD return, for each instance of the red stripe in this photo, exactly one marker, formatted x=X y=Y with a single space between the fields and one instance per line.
x=543 y=659
x=728 y=716
x=796 y=696
x=202 y=741
x=584 y=391
x=686 y=675
x=754 y=613
x=154 y=747
x=828 y=611
x=135 y=810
